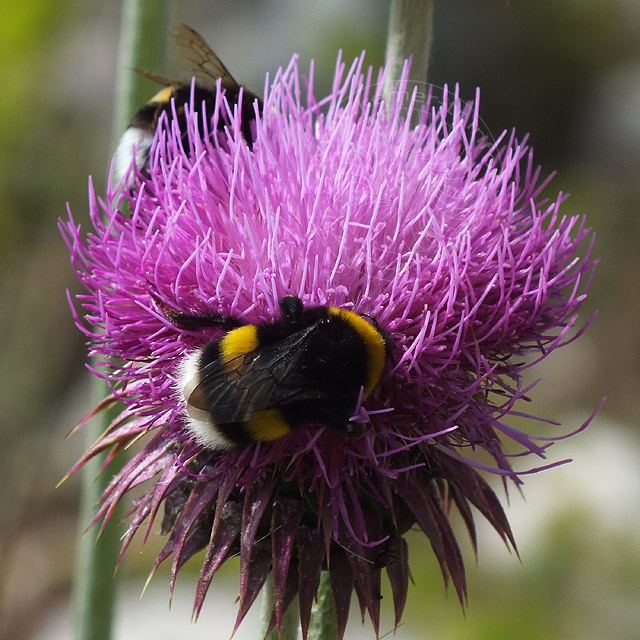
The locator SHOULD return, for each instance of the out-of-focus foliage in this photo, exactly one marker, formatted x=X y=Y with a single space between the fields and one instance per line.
x=28 y=117
x=44 y=146
x=567 y=72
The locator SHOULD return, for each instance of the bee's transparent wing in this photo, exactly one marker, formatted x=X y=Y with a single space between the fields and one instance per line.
x=196 y=57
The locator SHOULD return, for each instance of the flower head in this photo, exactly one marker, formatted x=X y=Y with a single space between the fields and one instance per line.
x=438 y=236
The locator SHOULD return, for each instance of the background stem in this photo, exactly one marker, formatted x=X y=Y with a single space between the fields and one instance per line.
x=142 y=43
x=409 y=34
x=143 y=38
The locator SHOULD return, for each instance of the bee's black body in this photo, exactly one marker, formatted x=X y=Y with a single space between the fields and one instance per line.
x=260 y=382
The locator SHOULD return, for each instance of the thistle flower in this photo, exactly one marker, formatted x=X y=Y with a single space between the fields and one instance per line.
x=439 y=235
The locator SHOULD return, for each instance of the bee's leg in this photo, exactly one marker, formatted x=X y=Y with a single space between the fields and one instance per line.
x=192 y=322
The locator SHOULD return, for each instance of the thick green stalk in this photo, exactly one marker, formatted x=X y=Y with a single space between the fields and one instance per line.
x=144 y=34
x=324 y=622
x=290 y=619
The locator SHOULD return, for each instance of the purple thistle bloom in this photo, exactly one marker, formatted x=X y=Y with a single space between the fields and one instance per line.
x=437 y=234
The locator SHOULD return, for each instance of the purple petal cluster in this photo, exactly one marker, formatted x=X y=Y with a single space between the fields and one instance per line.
x=406 y=213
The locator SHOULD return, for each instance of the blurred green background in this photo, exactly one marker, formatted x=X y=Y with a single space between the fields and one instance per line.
x=567 y=72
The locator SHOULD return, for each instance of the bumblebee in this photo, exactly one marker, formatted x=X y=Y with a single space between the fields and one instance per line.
x=196 y=57
x=260 y=382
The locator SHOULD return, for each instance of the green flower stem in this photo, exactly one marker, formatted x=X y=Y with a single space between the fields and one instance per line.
x=409 y=34
x=144 y=34
x=290 y=619
x=324 y=622
x=94 y=587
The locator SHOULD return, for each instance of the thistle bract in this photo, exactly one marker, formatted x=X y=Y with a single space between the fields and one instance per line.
x=437 y=233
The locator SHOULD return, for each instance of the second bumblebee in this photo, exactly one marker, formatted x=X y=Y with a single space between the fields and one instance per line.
x=198 y=59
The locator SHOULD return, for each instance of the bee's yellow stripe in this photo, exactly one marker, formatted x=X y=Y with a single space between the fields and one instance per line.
x=238 y=342
x=376 y=350
x=164 y=95
x=267 y=425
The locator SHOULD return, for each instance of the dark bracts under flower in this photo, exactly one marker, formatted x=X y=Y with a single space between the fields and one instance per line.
x=272 y=507
x=441 y=237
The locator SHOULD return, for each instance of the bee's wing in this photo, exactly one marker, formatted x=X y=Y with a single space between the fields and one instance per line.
x=268 y=377
x=197 y=57
x=156 y=77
